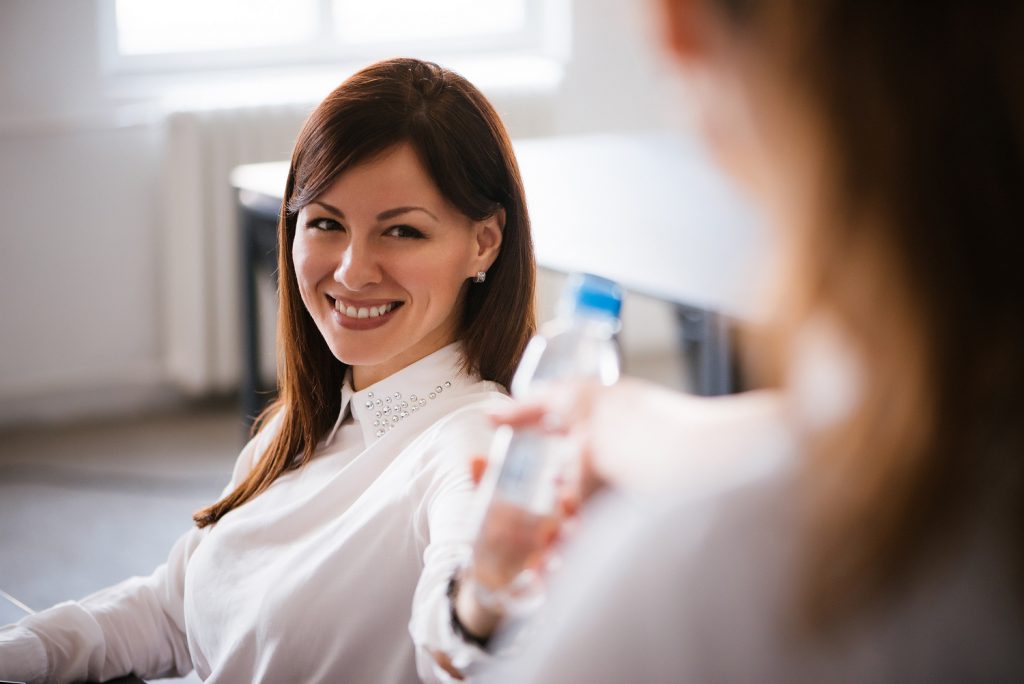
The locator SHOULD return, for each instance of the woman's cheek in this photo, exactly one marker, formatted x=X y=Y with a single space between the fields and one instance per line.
x=307 y=267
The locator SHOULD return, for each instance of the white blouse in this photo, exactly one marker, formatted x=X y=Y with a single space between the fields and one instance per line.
x=337 y=572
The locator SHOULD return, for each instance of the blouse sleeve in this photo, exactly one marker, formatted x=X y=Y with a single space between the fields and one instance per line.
x=136 y=626
x=448 y=514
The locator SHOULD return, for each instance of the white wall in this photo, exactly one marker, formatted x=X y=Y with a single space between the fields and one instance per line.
x=617 y=78
x=79 y=169
x=77 y=238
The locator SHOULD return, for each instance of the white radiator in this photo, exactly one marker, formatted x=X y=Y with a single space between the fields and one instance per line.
x=200 y=250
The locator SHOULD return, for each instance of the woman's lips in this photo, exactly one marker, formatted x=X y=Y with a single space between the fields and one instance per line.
x=351 y=317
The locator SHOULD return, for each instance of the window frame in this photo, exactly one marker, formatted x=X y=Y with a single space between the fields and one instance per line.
x=536 y=38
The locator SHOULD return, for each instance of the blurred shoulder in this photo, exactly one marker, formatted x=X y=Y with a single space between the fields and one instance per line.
x=256 y=447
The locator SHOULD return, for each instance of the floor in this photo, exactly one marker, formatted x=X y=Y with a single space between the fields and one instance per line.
x=84 y=506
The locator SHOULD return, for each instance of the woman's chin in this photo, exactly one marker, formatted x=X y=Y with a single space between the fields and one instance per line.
x=360 y=357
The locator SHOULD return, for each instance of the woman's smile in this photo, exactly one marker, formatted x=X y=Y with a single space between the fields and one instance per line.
x=363 y=315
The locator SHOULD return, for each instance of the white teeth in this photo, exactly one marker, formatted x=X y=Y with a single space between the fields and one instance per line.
x=363 y=312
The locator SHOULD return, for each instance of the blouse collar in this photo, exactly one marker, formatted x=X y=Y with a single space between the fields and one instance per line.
x=382 y=406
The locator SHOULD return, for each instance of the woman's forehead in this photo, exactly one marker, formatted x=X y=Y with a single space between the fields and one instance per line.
x=395 y=177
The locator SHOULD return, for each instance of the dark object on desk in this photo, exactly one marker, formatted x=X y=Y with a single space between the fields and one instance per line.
x=257 y=216
x=128 y=679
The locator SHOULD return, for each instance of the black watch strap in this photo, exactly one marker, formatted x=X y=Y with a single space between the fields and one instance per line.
x=457 y=626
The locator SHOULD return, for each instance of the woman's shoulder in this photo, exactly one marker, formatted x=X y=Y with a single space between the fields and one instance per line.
x=470 y=410
x=473 y=397
x=464 y=429
x=256 y=446
x=720 y=574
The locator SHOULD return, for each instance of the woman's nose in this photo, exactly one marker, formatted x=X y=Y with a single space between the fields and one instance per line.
x=359 y=267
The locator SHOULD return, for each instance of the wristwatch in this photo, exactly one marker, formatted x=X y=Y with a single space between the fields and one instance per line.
x=454 y=585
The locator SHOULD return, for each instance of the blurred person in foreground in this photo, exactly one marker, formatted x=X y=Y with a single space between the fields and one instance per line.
x=405 y=299
x=864 y=522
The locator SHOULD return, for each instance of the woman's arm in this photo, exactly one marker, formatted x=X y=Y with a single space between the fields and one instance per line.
x=134 y=626
x=642 y=438
x=448 y=520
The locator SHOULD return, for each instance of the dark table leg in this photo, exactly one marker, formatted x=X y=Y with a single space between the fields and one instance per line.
x=258 y=245
x=706 y=346
x=250 y=383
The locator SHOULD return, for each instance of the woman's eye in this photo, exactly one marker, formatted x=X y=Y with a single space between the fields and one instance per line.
x=404 y=231
x=323 y=224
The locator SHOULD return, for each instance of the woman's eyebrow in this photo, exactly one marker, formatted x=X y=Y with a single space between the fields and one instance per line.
x=334 y=210
x=391 y=213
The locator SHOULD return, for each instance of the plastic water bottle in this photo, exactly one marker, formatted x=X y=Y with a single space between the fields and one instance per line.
x=577 y=346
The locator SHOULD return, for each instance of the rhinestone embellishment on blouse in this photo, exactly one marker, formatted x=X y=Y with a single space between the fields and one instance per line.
x=395 y=406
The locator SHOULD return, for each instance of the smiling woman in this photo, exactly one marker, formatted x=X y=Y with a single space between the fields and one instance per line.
x=383 y=259
x=406 y=297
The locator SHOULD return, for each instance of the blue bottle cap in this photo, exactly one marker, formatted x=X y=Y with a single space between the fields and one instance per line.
x=585 y=292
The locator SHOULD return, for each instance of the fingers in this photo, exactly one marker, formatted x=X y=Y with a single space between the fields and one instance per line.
x=557 y=409
x=520 y=415
x=477 y=467
x=590 y=481
x=445 y=662
x=569 y=504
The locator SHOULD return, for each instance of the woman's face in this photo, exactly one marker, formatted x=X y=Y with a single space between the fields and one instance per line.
x=382 y=260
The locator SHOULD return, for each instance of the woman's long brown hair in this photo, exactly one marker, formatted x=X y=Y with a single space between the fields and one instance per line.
x=919 y=256
x=466 y=150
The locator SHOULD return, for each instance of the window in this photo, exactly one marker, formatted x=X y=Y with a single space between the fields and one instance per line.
x=178 y=35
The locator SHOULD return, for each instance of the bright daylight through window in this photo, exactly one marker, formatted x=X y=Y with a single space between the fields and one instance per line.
x=155 y=32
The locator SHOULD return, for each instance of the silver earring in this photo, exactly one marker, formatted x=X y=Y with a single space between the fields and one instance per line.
x=481 y=276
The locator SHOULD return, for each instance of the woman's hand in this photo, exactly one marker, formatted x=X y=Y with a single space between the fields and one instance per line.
x=626 y=433
x=634 y=436
x=513 y=540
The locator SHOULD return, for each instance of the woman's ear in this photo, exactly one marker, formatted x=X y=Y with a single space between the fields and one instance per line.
x=488 y=240
x=681 y=28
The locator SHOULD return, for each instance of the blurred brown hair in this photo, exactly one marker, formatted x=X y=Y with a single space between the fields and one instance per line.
x=464 y=147
x=918 y=254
